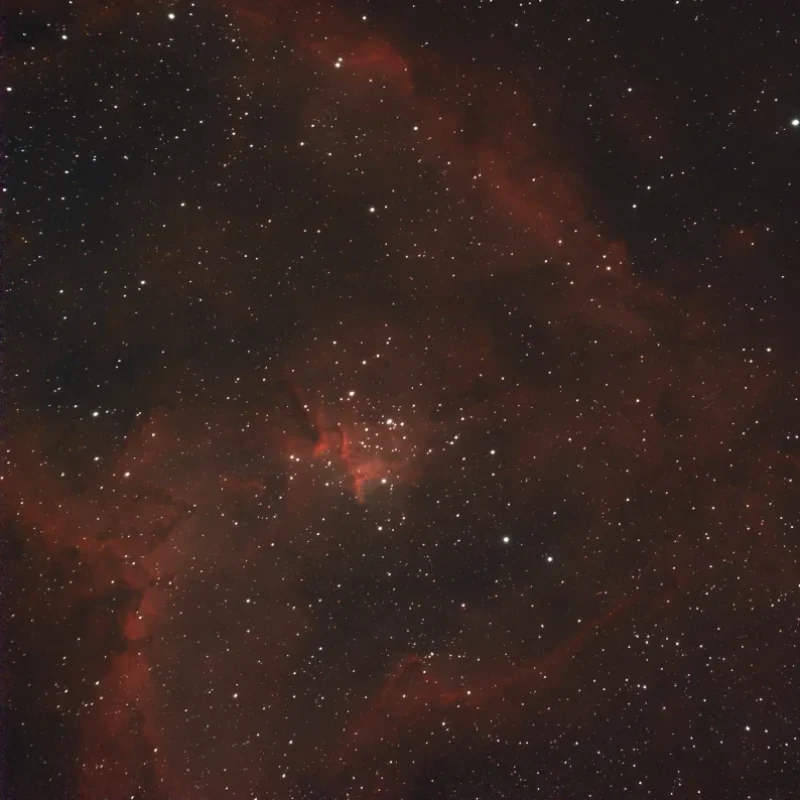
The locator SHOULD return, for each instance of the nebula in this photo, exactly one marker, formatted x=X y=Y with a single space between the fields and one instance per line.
x=388 y=413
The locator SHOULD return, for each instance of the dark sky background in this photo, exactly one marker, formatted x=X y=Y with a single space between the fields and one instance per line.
x=402 y=400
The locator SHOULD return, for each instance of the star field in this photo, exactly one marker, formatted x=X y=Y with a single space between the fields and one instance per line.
x=401 y=400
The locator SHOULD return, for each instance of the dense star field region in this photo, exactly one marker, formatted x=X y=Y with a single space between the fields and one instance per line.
x=401 y=400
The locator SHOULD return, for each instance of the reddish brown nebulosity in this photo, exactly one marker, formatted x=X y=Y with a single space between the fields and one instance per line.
x=379 y=406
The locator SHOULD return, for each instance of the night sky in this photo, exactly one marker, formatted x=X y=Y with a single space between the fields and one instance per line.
x=401 y=400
